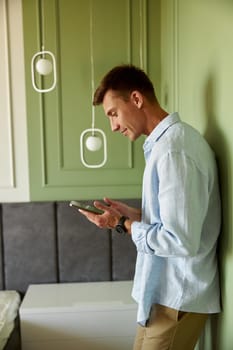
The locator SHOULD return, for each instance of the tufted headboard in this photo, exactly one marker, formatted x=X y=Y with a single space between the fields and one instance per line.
x=50 y=242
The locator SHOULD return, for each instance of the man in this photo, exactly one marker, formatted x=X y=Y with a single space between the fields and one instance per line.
x=175 y=232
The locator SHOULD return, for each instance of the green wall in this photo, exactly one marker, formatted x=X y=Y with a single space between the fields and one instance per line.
x=196 y=79
x=87 y=38
x=197 y=68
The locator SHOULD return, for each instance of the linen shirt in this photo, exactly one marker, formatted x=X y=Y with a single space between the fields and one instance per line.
x=176 y=239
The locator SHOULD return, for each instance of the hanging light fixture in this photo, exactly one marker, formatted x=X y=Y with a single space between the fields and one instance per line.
x=43 y=62
x=93 y=139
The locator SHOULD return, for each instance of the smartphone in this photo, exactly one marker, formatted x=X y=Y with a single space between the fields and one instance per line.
x=86 y=207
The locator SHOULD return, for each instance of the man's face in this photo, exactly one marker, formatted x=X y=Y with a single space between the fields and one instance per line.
x=124 y=116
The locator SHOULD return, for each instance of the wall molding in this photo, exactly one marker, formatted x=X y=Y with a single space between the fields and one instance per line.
x=142 y=58
x=7 y=175
x=14 y=180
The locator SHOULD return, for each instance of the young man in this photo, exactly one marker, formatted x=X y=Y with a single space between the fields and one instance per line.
x=175 y=232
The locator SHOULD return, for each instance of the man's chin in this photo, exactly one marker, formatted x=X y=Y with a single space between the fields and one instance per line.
x=132 y=137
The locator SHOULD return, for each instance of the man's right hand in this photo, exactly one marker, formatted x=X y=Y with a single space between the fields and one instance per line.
x=133 y=213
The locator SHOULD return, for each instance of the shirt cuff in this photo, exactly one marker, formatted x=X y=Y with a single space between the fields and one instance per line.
x=139 y=237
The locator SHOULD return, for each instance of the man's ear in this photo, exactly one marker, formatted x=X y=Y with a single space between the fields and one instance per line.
x=137 y=98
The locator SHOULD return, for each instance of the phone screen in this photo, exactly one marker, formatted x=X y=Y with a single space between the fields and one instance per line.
x=86 y=207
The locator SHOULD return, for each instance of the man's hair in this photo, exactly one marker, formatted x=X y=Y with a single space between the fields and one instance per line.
x=123 y=80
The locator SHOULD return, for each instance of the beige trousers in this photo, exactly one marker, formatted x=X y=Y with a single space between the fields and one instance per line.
x=170 y=329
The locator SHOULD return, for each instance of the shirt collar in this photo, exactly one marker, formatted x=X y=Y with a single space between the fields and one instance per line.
x=160 y=129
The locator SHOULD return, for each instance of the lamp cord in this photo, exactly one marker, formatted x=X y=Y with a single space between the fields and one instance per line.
x=92 y=67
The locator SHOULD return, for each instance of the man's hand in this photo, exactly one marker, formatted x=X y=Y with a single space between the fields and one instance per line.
x=113 y=210
x=133 y=213
x=108 y=219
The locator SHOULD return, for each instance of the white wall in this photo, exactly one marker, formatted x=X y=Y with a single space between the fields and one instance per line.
x=13 y=134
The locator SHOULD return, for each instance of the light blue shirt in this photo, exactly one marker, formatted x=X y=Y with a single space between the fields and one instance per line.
x=176 y=238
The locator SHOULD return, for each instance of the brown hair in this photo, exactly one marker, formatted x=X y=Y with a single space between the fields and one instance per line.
x=123 y=80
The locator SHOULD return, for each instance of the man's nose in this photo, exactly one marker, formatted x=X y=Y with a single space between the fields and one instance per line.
x=114 y=125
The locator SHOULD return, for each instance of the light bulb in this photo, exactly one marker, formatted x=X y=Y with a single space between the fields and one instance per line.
x=93 y=143
x=44 y=66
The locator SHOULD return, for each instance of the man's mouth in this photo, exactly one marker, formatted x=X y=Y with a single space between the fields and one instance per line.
x=123 y=131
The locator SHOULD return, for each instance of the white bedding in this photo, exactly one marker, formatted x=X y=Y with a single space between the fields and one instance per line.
x=9 y=305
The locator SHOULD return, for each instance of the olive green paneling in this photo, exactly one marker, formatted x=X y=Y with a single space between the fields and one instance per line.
x=112 y=32
x=197 y=76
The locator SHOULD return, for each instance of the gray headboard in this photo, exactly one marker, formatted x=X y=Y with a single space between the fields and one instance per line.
x=49 y=242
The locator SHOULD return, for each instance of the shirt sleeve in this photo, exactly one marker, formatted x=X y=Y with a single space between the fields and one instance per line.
x=183 y=198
